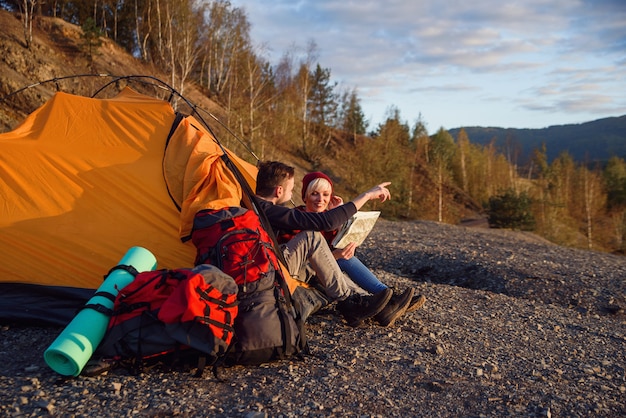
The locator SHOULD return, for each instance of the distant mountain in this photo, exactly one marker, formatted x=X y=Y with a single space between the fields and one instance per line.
x=591 y=141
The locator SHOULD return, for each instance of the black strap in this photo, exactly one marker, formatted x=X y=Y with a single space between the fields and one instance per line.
x=108 y=295
x=99 y=308
x=220 y=361
x=130 y=269
x=284 y=321
x=201 y=365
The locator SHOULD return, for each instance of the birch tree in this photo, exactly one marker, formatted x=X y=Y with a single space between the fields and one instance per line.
x=593 y=200
x=442 y=149
x=419 y=135
x=304 y=83
x=27 y=8
x=224 y=41
x=252 y=106
x=463 y=147
x=173 y=40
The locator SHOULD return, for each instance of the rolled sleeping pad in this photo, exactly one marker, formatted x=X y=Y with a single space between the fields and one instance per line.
x=71 y=350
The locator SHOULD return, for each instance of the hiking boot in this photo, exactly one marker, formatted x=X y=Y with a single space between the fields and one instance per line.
x=395 y=308
x=357 y=308
x=416 y=303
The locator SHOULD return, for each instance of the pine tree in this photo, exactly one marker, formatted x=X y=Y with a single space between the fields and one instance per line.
x=352 y=117
x=91 y=38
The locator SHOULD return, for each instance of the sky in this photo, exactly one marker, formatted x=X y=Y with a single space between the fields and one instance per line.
x=456 y=63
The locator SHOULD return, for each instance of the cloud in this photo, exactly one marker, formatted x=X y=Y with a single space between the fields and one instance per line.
x=444 y=88
x=532 y=56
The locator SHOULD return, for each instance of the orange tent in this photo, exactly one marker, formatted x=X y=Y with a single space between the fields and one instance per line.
x=82 y=180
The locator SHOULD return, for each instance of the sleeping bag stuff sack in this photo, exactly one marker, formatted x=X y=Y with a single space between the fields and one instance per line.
x=268 y=327
x=177 y=314
x=71 y=350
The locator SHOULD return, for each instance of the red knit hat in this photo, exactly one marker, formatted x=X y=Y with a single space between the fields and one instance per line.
x=307 y=179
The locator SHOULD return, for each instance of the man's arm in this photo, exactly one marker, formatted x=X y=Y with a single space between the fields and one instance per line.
x=379 y=192
x=288 y=219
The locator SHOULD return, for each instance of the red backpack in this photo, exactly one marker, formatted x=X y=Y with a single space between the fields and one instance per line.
x=171 y=311
x=268 y=326
x=234 y=240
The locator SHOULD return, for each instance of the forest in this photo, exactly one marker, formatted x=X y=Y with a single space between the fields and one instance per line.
x=294 y=110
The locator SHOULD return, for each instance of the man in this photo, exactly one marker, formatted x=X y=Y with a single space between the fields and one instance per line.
x=275 y=183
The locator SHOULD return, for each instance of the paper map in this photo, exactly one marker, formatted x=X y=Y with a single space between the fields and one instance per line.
x=356 y=229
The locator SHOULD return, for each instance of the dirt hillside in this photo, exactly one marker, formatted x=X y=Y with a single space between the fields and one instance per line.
x=58 y=60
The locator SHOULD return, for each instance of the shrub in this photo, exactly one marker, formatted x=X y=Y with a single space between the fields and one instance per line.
x=511 y=210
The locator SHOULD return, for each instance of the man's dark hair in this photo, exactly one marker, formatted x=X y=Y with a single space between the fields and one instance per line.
x=271 y=175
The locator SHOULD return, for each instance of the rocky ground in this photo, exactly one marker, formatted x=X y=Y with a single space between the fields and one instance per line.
x=513 y=326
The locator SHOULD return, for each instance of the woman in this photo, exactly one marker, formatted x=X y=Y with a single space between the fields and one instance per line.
x=317 y=195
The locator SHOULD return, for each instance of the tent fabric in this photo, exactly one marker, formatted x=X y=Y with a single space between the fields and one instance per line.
x=24 y=303
x=197 y=176
x=82 y=180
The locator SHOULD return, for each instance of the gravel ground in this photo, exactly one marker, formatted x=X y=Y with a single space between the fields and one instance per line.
x=512 y=326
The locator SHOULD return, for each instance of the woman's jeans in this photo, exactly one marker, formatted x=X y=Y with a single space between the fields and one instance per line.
x=361 y=275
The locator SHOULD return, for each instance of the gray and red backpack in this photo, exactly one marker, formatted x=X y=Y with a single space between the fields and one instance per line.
x=180 y=313
x=268 y=326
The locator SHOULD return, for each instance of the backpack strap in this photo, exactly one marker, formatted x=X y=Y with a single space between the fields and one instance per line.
x=200 y=366
x=126 y=267
x=98 y=307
